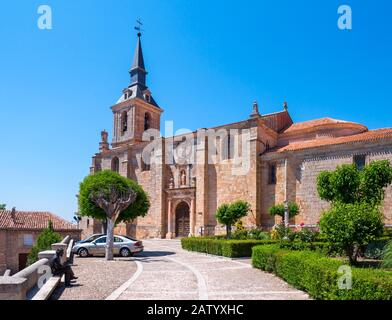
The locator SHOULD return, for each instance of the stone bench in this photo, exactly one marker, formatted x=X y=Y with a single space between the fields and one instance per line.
x=47 y=289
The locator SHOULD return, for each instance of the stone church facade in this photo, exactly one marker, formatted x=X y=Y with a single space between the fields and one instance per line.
x=265 y=159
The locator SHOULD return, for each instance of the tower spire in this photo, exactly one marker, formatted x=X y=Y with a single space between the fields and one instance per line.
x=138 y=71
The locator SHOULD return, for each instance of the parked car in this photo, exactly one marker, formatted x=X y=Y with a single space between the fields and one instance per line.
x=91 y=238
x=123 y=246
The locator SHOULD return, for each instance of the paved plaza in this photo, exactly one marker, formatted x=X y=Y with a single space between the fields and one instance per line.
x=164 y=271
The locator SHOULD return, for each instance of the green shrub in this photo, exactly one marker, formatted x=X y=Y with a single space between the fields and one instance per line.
x=44 y=242
x=318 y=275
x=375 y=248
x=323 y=247
x=221 y=247
x=350 y=226
x=387 y=256
x=252 y=234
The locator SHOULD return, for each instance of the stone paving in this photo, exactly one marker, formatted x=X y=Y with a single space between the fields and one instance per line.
x=97 y=278
x=165 y=271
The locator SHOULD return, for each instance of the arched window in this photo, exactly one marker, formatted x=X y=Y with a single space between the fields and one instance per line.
x=115 y=164
x=124 y=122
x=147 y=121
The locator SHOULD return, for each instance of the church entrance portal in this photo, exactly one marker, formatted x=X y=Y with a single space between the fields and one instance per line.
x=182 y=220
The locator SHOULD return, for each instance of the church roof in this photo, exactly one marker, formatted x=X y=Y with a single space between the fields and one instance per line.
x=313 y=124
x=361 y=137
x=33 y=220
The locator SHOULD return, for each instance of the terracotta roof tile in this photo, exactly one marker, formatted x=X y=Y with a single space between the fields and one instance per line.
x=302 y=126
x=365 y=136
x=33 y=220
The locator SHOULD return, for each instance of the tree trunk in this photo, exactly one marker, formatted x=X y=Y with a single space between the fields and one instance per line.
x=105 y=226
x=228 y=230
x=109 y=239
x=352 y=253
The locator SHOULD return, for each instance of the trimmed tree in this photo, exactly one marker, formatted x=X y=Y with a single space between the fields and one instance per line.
x=229 y=214
x=2 y=206
x=44 y=242
x=278 y=210
x=109 y=197
x=352 y=225
x=355 y=196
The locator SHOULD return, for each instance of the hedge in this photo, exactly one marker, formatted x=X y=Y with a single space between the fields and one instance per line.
x=226 y=248
x=318 y=275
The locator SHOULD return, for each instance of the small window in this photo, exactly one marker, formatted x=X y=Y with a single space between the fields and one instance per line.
x=360 y=161
x=115 y=164
x=124 y=122
x=28 y=240
x=147 y=121
x=145 y=166
x=272 y=174
x=228 y=147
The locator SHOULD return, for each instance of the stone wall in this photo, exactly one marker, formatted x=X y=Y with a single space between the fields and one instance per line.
x=11 y=245
x=302 y=171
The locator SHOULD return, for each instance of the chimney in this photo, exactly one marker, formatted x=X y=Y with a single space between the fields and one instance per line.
x=13 y=212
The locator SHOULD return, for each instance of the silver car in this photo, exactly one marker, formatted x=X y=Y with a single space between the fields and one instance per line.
x=123 y=246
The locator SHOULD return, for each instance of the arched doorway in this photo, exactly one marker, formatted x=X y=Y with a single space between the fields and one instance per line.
x=182 y=220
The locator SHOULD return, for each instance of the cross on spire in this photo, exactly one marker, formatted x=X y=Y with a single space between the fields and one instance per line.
x=138 y=27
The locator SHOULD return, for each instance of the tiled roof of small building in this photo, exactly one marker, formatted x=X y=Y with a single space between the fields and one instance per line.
x=32 y=220
x=303 y=126
x=365 y=136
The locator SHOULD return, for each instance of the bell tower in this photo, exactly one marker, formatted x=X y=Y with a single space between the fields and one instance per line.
x=136 y=111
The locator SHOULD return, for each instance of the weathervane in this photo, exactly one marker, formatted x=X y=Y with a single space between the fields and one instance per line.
x=139 y=27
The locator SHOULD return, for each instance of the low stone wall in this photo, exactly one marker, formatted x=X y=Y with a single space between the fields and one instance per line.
x=25 y=284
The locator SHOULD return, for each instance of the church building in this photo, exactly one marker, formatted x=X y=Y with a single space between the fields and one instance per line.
x=265 y=159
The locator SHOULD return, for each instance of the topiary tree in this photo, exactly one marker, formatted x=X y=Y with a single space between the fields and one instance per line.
x=108 y=196
x=44 y=242
x=350 y=225
x=354 y=218
x=347 y=184
x=230 y=214
x=278 y=210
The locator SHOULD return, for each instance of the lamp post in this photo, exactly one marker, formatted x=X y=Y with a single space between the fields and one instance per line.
x=286 y=214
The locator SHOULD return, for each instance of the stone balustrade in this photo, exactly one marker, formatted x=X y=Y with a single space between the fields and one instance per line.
x=24 y=284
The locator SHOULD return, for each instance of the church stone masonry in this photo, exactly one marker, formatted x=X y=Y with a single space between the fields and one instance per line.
x=284 y=161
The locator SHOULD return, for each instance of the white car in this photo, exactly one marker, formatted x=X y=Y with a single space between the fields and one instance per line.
x=123 y=246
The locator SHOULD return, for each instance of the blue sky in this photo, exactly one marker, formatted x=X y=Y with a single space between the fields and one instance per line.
x=207 y=62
